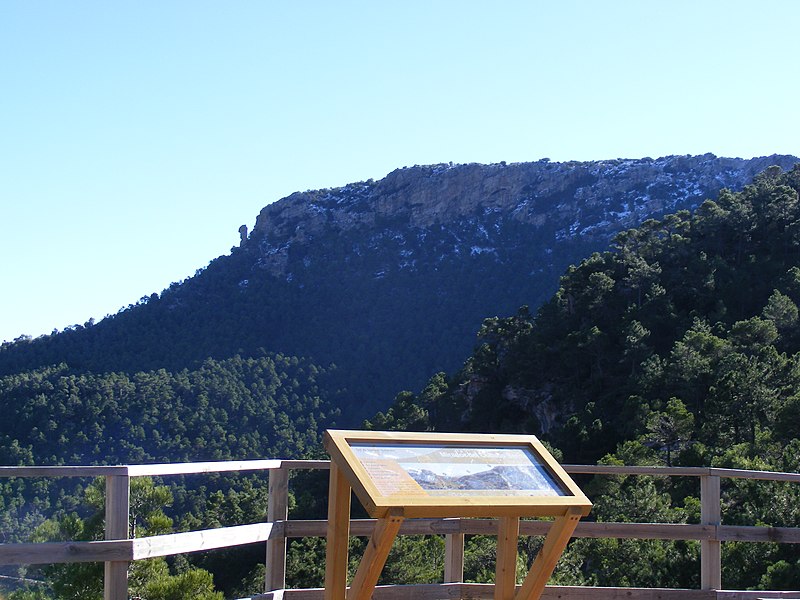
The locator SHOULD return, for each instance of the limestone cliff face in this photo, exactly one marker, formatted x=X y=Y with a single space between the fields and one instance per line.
x=590 y=200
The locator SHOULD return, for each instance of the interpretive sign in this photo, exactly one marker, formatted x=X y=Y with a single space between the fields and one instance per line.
x=455 y=470
x=453 y=475
x=399 y=475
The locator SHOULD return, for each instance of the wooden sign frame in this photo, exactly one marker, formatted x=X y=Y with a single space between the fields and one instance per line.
x=398 y=475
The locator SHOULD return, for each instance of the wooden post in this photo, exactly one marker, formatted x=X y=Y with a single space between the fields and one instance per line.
x=453 y=557
x=505 y=579
x=554 y=544
x=277 y=510
x=337 y=535
x=710 y=550
x=118 y=490
x=380 y=542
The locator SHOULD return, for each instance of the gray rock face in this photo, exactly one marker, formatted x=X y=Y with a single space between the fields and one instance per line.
x=591 y=200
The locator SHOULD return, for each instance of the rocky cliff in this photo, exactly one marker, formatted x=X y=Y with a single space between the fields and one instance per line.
x=590 y=200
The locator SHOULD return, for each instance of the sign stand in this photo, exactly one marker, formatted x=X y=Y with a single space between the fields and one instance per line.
x=398 y=475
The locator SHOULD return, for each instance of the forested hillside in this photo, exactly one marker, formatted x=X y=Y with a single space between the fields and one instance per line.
x=234 y=409
x=679 y=346
x=389 y=280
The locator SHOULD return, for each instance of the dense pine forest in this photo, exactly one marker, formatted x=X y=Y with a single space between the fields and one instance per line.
x=269 y=406
x=388 y=280
x=680 y=345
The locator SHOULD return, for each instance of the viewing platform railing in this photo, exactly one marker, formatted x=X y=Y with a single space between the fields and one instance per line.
x=118 y=550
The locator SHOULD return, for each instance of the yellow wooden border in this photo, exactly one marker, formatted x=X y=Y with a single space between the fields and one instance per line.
x=337 y=443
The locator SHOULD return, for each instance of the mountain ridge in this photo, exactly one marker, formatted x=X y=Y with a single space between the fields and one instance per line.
x=390 y=280
x=424 y=196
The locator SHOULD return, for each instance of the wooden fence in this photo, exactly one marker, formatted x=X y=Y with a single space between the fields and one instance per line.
x=117 y=551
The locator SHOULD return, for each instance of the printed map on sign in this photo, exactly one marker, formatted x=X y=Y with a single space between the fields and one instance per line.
x=451 y=470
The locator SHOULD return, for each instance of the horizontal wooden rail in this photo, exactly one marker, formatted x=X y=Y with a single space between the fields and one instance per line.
x=197 y=541
x=65 y=552
x=364 y=527
x=484 y=591
x=656 y=471
x=202 y=467
x=136 y=549
x=63 y=471
x=263 y=465
x=739 y=533
x=585 y=529
x=145 y=470
x=710 y=532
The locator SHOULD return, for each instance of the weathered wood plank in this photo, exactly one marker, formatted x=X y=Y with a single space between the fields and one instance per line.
x=364 y=527
x=741 y=533
x=594 y=593
x=505 y=578
x=657 y=531
x=202 y=467
x=118 y=508
x=453 y=557
x=277 y=511
x=322 y=465
x=130 y=550
x=479 y=591
x=756 y=595
x=63 y=471
x=646 y=531
x=338 y=531
x=446 y=591
x=198 y=541
x=710 y=550
x=636 y=470
x=681 y=472
x=118 y=489
x=65 y=552
x=257 y=465
x=761 y=475
x=482 y=591
x=115 y=580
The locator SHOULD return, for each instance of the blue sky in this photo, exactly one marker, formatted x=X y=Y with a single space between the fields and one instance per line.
x=136 y=137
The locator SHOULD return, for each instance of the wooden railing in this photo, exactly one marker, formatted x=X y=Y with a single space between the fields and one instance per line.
x=118 y=550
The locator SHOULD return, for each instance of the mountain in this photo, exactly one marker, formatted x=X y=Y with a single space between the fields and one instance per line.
x=389 y=281
x=680 y=345
x=692 y=319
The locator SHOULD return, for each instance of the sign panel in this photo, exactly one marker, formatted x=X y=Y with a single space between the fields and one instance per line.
x=448 y=475
x=455 y=470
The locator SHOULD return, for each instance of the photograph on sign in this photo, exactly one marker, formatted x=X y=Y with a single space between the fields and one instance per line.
x=455 y=470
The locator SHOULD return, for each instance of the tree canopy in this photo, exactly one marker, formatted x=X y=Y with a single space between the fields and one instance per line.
x=680 y=345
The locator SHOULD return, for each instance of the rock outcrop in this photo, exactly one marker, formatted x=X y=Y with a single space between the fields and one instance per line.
x=592 y=200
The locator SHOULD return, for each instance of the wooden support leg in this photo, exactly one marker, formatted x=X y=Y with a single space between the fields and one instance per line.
x=554 y=544
x=375 y=556
x=338 y=535
x=505 y=579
